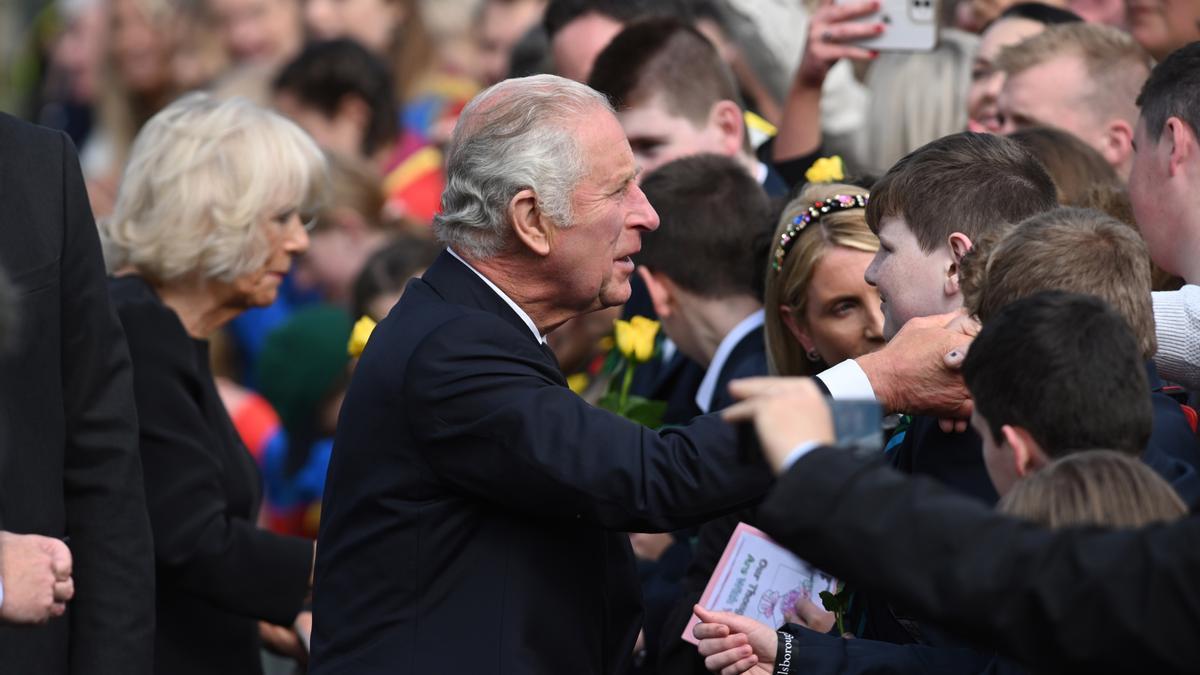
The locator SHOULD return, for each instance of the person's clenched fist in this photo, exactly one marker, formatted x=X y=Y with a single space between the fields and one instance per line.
x=36 y=573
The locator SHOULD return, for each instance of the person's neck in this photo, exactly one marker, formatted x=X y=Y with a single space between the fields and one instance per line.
x=200 y=308
x=708 y=321
x=750 y=162
x=536 y=295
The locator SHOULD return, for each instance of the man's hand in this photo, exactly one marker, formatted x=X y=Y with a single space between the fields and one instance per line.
x=786 y=412
x=36 y=572
x=917 y=372
x=732 y=644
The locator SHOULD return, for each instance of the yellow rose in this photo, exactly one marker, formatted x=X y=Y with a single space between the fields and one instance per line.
x=360 y=335
x=624 y=336
x=635 y=338
x=826 y=170
x=644 y=332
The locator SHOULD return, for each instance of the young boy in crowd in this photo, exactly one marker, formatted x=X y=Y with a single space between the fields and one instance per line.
x=928 y=210
x=1085 y=251
x=702 y=270
x=676 y=97
x=1051 y=375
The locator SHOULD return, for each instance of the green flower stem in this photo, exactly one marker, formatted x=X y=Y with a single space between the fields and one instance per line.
x=624 y=400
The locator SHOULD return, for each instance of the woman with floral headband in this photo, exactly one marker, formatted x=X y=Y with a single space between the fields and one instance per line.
x=819 y=309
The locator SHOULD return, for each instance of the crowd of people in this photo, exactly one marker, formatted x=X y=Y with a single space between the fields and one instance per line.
x=308 y=357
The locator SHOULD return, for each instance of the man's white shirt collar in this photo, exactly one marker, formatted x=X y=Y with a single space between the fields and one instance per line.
x=708 y=386
x=503 y=296
x=761 y=172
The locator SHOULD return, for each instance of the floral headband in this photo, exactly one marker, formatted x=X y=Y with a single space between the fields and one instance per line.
x=811 y=215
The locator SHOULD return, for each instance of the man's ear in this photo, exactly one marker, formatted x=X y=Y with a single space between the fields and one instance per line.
x=1117 y=143
x=1027 y=454
x=959 y=245
x=533 y=229
x=661 y=290
x=1183 y=142
x=798 y=327
x=726 y=117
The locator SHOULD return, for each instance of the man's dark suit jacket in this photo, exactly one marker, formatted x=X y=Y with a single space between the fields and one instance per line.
x=1073 y=600
x=68 y=428
x=474 y=510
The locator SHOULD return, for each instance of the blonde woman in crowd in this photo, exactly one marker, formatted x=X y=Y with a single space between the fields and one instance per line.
x=820 y=310
x=206 y=224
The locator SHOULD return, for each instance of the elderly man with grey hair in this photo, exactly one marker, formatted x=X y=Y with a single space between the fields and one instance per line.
x=475 y=506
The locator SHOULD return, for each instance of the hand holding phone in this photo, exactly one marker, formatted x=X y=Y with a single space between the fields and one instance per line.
x=834 y=31
x=909 y=25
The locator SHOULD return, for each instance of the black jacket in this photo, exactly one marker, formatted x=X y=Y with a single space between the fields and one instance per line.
x=473 y=513
x=1074 y=600
x=68 y=427
x=218 y=574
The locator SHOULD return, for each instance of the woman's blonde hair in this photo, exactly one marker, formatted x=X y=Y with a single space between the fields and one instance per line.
x=1094 y=487
x=789 y=285
x=202 y=175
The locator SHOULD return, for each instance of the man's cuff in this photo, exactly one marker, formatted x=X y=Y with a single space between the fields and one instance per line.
x=847 y=381
x=795 y=455
x=783 y=653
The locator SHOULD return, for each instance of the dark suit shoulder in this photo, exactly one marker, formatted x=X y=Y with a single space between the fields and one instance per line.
x=18 y=135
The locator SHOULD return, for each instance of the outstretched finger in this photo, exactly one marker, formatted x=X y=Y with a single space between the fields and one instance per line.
x=710 y=631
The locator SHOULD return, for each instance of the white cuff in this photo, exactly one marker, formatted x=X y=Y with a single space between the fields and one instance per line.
x=847 y=381
x=795 y=455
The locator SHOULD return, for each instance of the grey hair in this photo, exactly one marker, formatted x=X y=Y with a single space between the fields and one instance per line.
x=516 y=135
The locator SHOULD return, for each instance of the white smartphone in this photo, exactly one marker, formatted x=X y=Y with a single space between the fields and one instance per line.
x=909 y=26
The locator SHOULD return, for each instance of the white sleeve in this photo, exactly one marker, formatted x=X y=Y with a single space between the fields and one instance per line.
x=1177 y=322
x=847 y=381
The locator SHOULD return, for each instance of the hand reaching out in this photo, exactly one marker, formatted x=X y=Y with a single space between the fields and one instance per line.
x=733 y=644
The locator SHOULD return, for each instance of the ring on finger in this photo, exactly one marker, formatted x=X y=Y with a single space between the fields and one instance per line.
x=826 y=35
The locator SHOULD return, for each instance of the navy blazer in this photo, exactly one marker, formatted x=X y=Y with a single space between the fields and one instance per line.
x=474 y=510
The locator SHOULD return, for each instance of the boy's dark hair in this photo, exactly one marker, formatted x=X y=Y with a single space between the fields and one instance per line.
x=711 y=212
x=1172 y=90
x=1066 y=368
x=327 y=72
x=389 y=270
x=559 y=13
x=1047 y=15
x=667 y=57
x=967 y=182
